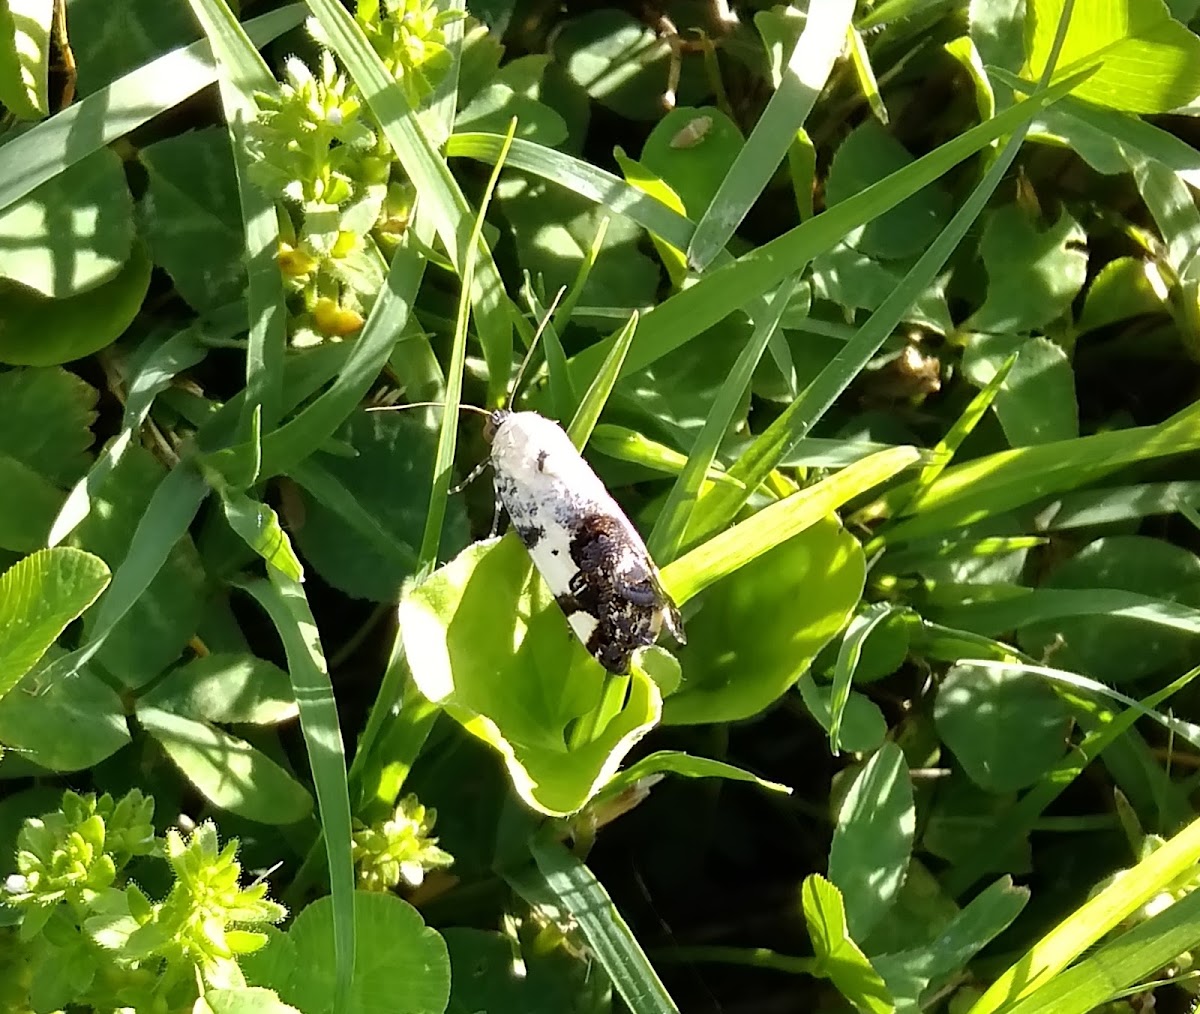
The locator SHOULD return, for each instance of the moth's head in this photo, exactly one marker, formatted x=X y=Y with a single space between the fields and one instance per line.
x=494 y=420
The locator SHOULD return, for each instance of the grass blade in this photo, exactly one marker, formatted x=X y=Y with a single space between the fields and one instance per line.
x=737 y=546
x=669 y=529
x=91 y=123
x=819 y=45
x=441 y=197
x=242 y=73
x=601 y=387
x=447 y=438
x=284 y=602
x=565 y=881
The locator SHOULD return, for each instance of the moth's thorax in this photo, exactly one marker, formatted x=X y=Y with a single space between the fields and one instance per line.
x=537 y=453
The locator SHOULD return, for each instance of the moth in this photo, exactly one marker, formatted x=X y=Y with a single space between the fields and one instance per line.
x=581 y=542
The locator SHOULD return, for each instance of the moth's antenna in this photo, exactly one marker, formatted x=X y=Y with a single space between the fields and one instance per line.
x=542 y=324
x=428 y=404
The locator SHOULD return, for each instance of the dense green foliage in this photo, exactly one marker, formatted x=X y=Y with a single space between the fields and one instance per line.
x=880 y=319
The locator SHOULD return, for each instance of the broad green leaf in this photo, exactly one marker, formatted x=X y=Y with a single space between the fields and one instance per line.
x=39 y=596
x=1006 y=729
x=28 y=508
x=621 y=62
x=1113 y=649
x=63 y=725
x=1088 y=923
x=71 y=234
x=229 y=772
x=576 y=889
x=554 y=230
x=227 y=688
x=863 y=727
x=725 y=553
x=1125 y=287
x=837 y=956
x=1035 y=402
x=38 y=331
x=25 y=56
x=191 y=203
x=47 y=419
x=760 y=627
x=908 y=973
x=488 y=644
x=872 y=842
x=1150 y=63
x=691 y=151
x=402 y=965
x=490 y=972
x=871 y=154
x=1033 y=274
x=1114 y=504
x=250 y=1000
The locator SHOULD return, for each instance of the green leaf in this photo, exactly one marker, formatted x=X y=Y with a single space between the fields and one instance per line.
x=619 y=61
x=1088 y=923
x=1150 y=63
x=258 y=524
x=691 y=151
x=403 y=966
x=863 y=727
x=760 y=627
x=25 y=56
x=63 y=725
x=1035 y=402
x=47 y=419
x=1121 y=290
x=908 y=973
x=488 y=644
x=676 y=762
x=796 y=91
x=227 y=687
x=871 y=154
x=872 y=842
x=71 y=234
x=38 y=331
x=554 y=229
x=229 y=772
x=858 y=631
x=191 y=203
x=575 y=888
x=153 y=606
x=249 y=1000
x=999 y=482
x=594 y=398
x=1033 y=274
x=1006 y=728
x=39 y=596
x=1113 y=649
x=838 y=957
x=28 y=507
x=1114 y=968
x=285 y=603
x=725 y=553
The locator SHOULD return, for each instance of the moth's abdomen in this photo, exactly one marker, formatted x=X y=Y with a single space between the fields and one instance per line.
x=589 y=554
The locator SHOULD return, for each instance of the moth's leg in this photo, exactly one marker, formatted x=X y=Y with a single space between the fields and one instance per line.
x=499 y=510
x=474 y=474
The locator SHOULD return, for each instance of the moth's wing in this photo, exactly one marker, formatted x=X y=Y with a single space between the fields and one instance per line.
x=649 y=591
